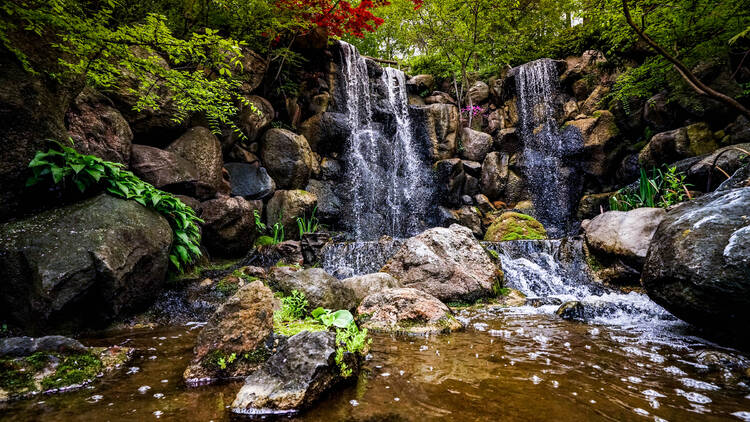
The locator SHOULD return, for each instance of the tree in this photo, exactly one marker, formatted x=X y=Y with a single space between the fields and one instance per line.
x=682 y=69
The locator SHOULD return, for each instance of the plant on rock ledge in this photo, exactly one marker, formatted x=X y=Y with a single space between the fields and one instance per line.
x=308 y=225
x=64 y=164
x=663 y=189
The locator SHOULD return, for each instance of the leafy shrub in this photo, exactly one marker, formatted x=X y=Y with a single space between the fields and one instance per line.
x=293 y=307
x=349 y=338
x=663 y=189
x=278 y=231
x=64 y=164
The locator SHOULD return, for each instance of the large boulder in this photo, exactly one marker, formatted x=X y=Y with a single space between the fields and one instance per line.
x=448 y=263
x=441 y=121
x=514 y=226
x=164 y=169
x=451 y=179
x=618 y=242
x=329 y=203
x=685 y=142
x=32 y=110
x=624 y=234
x=600 y=140
x=297 y=375
x=240 y=327
x=728 y=159
x=287 y=157
x=250 y=181
x=286 y=205
x=478 y=93
x=698 y=265
x=252 y=71
x=97 y=128
x=494 y=175
x=320 y=288
x=365 y=285
x=229 y=225
x=201 y=148
x=83 y=264
x=406 y=310
x=326 y=132
x=422 y=83
x=475 y=144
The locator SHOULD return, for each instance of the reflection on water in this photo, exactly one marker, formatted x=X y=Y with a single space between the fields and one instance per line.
x=508 y=365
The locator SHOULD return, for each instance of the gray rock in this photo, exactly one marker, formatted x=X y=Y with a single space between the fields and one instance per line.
x=406 y=310
x=698 y=265
x=250 y=180
x=83 y=264
x=201 y=148
x=286 y=205
x=572 y=311
x=448 y=263
x=229 y=225
x=253 y=122
x=475 y=144
x=441 y=122
x=479 y=92
x=164 y=169
x=330 y=169
x=26 y=346
x=494 y=174
x=320 y=288
x=293 y=378
x=624 y=234
x=326 y=132
x=329 y=203
x=365 y=285
x=287 y=157
x=97 y=128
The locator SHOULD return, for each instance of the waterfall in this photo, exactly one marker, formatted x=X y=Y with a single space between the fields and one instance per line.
x=548 y=159
x=387 y=175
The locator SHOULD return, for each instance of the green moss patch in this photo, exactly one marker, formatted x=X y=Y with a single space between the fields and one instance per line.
x=74 y=369
x=515 y=226
x=290 y=328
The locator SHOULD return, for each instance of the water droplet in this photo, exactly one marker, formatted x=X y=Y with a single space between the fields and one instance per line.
x=385 y=374
x=396 y=399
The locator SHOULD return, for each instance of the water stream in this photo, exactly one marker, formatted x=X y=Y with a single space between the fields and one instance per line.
x=387 y=175
x=550 y=154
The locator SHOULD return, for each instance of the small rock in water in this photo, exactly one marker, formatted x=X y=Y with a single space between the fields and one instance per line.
x=143 y=389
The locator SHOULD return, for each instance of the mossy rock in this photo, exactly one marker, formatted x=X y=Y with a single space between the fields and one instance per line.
x=515 y=226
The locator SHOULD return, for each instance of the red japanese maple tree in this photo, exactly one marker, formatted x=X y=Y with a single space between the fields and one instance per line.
x=337 y=16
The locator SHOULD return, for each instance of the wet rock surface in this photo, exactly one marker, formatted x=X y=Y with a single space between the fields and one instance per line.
x=320 y=288
x=624 y=234
x=698 y=265
x=82 y=264
x=448 y=263
x=201 y=148
x=239 y=328
x=250 y=180
x=406 y=310
x=229 y=225
x=365 y=285
x=293 y=378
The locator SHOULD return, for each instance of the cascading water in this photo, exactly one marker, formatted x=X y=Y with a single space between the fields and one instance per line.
x=387 y=176
x=551 y=272
x=549 y=154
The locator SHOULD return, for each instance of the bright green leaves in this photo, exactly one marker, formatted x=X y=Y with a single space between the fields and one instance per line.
x=65 y=164
x=663 y=189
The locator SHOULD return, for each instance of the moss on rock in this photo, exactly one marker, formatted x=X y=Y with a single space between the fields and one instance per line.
x=515 y=226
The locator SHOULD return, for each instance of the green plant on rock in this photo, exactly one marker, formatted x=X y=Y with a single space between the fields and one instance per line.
x=293 y=307
x=74 y=369
x=277 y=229
x=349 y=338
x=308 y=225
x=663 y=189
x=515 y=226
x=63 y=164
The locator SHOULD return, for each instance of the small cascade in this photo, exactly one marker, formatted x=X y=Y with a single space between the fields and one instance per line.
x=550 y=272
x=387 y=177
x=549 y=153
x=347 y=259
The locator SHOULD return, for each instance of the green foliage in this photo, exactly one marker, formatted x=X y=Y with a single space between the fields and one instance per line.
x=277 y=230
x=349 y=338
x=663 y=189
x=293 y=307
x=91 y=39
x=515 y=226
x=308 y=225
x=226 y=287
x=64 y=164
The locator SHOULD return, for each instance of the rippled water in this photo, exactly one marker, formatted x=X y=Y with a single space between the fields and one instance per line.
x=512 y=364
